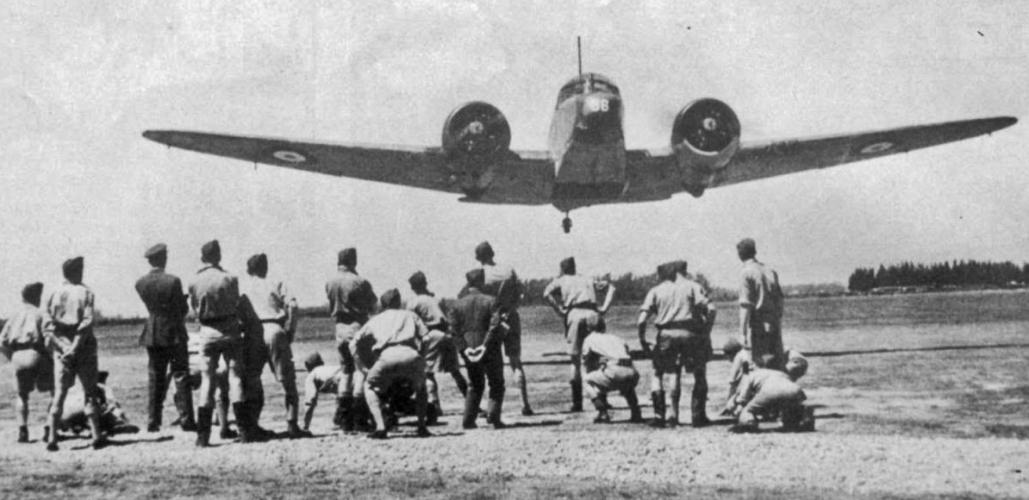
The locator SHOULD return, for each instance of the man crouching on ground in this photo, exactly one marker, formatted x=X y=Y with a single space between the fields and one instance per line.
x=764 y=390
x=389 y=343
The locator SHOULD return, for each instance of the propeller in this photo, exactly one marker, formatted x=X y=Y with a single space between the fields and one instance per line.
x=708 y=125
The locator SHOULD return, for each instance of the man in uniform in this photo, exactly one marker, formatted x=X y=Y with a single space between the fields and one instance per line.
x=388 y=346
x=503 y=284
x=761 y=307
x=214 y=296
x=23 y=344
x=475 y=323
x=276 y=309
x=321 y=378
x=680 y=314
x=437 y=346
x=164 y=336
x=764 y=391
x=351 y=302
x=574 y=298
x=609 y=368
x=68 y=326
x=698 y=402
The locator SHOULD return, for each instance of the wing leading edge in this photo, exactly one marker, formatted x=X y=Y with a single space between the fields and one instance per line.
x=520 y=180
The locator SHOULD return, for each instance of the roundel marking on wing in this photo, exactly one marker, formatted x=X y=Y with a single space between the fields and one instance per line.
x=289 y=155
x=876 y=147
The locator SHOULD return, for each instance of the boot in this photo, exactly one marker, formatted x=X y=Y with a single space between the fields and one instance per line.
x=254 y=410
x=204 y=427
x=698 y=403
x=247 y=430
x=657 y=399
x=494 y=413
x=294 y=432
x=634 y=406
x=576 y=395
x=344 y=418
x=23 y=434
x=226 y=433
x=603 y=417
x=99 y=438
x=184 y=405
x=46 y=433
x=362 y=416
x=432 y=413
x=471 y=409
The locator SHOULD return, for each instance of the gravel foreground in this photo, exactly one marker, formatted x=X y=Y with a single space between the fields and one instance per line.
x=557 y=455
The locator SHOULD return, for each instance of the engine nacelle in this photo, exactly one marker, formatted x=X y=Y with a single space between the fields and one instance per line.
x=705 y=136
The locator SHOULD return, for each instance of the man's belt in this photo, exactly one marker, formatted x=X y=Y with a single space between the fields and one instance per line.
x=278 y=321
x=584 y=305
x=691 y=325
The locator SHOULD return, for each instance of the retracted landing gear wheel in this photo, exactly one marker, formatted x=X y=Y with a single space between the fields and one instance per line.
x=566 y=224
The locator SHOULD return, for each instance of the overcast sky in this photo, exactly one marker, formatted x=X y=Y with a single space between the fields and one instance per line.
x=81 y=80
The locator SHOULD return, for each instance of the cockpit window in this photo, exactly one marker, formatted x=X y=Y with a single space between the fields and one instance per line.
x=577 y=85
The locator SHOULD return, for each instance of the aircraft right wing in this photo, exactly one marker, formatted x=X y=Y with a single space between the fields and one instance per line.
x=759 y=161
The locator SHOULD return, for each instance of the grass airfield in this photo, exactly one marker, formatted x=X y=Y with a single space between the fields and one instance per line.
x=916 y=396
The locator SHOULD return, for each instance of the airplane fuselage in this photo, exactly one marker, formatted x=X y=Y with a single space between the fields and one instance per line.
x=587 y=144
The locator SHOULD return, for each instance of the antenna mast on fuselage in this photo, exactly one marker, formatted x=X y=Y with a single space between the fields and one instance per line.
x=578 y=43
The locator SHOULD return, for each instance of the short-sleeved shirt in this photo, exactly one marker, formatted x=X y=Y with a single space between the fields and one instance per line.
x=760 y=289
x=502 y=278
x=269 y=298
x=70 y=305
x=23 y=330
x=763 y=379
x=674 y=303
x=389 y=328
x=607 y=346
x=214 y=294
x=575 y=290
x=427 y=307
x=351 y=298
x=323 y=378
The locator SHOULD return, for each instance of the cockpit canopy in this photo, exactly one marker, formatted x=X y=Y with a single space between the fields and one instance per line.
x=585 y=83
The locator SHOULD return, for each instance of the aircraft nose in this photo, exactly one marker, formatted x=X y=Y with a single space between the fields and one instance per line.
x=596 y=108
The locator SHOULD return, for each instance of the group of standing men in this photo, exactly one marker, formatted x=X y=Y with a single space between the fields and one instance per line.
x=383 y=345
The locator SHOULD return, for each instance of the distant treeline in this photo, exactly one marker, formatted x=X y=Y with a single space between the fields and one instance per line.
x=956 y=274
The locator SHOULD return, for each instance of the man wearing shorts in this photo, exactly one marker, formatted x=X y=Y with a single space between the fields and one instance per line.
x=680 y=314
x=609 y=368
x=438 y=347
x=387 y=349
x=502 y=283
x=574 y=298
x=351 y=302
x=68 y=325
x=23 y=344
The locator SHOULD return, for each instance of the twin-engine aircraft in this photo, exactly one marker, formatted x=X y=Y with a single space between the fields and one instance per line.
x=587 y=162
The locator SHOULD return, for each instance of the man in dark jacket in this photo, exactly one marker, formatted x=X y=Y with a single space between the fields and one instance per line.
x=478 y=333
x=164 y=336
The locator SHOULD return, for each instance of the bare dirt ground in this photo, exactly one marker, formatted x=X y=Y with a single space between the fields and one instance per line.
x=909 y=422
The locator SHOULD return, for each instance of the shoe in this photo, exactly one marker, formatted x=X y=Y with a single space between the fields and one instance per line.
x=189 y=426
x=469 y=426
x=100 y=443
x=431 y=415
x=636 y=418
x=527 y=412
x=700 y=421
x=152 y=428
x=602 y=418
x=227 y=433
x=498 y=424
x=377 y=434
x=658 y=423
x=23 y=434
x=293 y=432
x=576 y=408
x=46 y=433
x=423 y=432
x=51 y=447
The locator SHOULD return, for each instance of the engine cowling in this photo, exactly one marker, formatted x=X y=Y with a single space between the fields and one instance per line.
x=476 y=137
x=476 y=129
x=705 y=136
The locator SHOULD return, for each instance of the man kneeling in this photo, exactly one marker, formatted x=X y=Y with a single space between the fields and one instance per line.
x=765 y=391
x=389 y=343
x=609 y=368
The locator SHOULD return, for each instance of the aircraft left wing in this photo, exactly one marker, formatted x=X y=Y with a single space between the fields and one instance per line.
x=525 y=181
x=759 y=161
x=655 y=175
